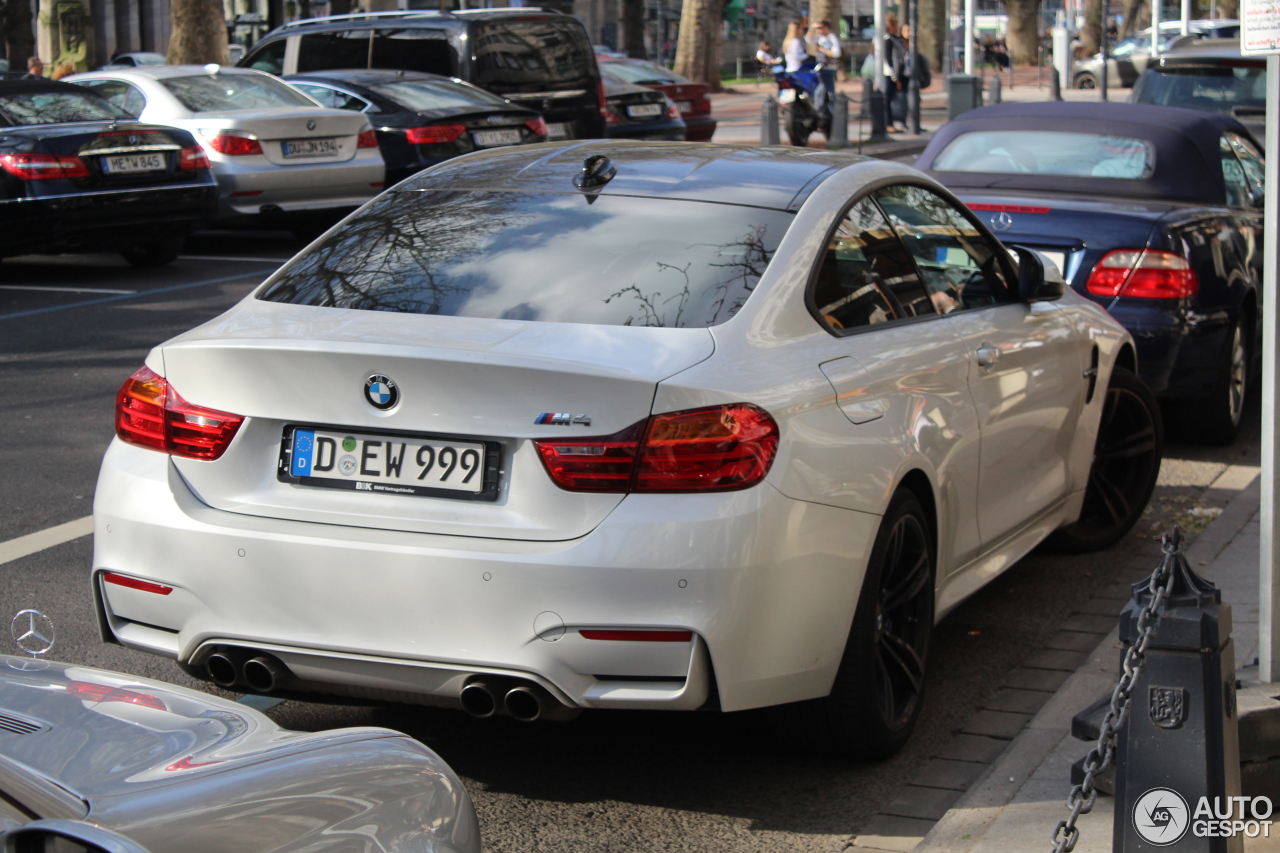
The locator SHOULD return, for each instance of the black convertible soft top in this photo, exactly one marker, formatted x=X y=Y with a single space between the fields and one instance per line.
x=1188 y=165
x=26 y=87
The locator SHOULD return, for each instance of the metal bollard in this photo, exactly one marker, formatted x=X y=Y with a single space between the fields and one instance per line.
x=840 y=123
x=993 y=89
x=913 y=107
x=769 y=122
x=868 y=86
x=878 y=125
x=1055 y=85
x=1180 y=743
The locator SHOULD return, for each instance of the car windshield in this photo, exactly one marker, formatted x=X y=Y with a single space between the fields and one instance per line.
x=1214 y=88
x=207 y=93
x=641 y=73
x=1048 y=152
x=532 y=56
x=55 y=107
x=442 y=94
x=556 y=257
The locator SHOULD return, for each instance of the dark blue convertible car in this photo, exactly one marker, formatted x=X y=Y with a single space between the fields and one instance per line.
x=1154 y=213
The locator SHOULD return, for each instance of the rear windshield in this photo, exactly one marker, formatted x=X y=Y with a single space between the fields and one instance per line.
x=642 y=73
x=397 y=48
x=1217 y=89
x=556 y=257
x=437 y=95
x=1048 y=152
x=54 y=107
x=244 y=91
x=532 y=56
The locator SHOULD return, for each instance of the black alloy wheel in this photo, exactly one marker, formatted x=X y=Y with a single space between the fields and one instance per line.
x=879 y=687
x=1126 y=462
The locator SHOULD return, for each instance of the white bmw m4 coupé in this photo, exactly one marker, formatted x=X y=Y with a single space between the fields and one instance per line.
x=619 y=425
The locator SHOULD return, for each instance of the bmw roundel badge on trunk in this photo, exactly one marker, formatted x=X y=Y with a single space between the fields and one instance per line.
x=381 y=392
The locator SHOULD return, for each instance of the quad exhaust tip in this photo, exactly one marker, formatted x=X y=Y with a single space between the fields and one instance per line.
x=224 y=668
x=479 y=700
x=523 y=703
x=232 y=668
x=264 y=673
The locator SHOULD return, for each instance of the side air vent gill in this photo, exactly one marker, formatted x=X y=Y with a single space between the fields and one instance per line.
x=19 y=725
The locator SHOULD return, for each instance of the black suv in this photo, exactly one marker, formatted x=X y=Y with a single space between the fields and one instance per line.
x=538 y=59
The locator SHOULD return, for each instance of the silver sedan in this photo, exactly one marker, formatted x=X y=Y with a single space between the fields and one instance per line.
x=273 y=149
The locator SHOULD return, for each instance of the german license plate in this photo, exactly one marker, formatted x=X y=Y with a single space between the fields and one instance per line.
x=787 y=96
x=645 y=110
x=557 y=130
x=310 y=147
x=684 y=107
x=125 y=163
x=494 y=138
x=389 y=464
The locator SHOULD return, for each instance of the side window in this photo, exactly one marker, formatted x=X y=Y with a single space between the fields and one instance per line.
x=270 y=58
x=323 y=94
x=1233 y=176
x=112 y=91
x=867 y=277
x=134 y=101
x=961 y=268
x=1250 y=161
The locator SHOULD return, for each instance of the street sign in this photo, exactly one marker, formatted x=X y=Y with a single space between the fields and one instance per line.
x=1260 y=26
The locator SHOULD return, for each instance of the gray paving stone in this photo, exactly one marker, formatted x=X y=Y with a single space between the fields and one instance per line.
x=953 y=775
x=1018 y=701
x=1057 y=659
x=975 y=748
x=1036 y=679
x=1073 y=641
x=1091 y=623
x=999 y=724
x=888 y=832
x=924 y=803
x=1104 y=607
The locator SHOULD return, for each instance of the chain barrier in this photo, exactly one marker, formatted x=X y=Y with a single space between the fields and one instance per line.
x=1098 y=759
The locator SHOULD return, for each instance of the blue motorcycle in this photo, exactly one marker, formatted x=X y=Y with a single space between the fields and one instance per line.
x=804 y=108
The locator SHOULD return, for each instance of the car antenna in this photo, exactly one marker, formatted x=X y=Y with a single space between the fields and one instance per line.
x=597 y=170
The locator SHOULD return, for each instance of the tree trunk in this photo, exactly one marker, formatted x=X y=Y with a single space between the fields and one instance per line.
x=1024 y=35
x=933 y=33
x=1228 y=9
x=199 y=33
x=698 y=53
x=17 y=34
x=633 y=29
x=1135 y=17
x=1091 y=34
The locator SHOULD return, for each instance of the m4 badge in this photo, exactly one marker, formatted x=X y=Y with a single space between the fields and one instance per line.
x=561 y=419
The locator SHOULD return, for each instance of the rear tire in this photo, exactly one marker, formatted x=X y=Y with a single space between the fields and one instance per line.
x=1217 y=420
x=154 y=254
x=1126 y=462
x=797 y=129
x=1085 y=81
x=878 y=691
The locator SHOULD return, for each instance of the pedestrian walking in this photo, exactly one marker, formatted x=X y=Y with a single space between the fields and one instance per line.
x=895 y=58
x=826 y=45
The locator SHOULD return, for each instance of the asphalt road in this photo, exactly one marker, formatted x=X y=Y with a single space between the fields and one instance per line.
x=72 y=329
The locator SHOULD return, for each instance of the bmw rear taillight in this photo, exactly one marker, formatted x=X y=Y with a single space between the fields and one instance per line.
x=234 y=144
x=150 y=413
x=367 y=139
x=44 y=167
x=193 y=157
x=604 y=103
x=435 y=134
x=719 y=448
x=538 y=126
x=1143 y=274
x=672 y=110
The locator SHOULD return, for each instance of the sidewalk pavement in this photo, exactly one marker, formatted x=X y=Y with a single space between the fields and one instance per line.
x=1016 y=805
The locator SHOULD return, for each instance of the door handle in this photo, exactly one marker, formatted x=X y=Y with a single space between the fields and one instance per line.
x=987 y=355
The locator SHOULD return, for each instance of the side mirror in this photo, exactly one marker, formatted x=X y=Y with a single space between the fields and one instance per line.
x=1038 y=280
x=72 y=836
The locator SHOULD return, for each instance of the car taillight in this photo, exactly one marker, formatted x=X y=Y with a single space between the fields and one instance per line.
x=44 y=167
x=106 y=693
x=234 y=144
x=435 y=134
x=784 y=83
x=150 y=413
x=538 y=126
x=193 y=158
x=1143 y=274
x=367 y=139
x=714 y=449
x=604 y=104
x=672 y=110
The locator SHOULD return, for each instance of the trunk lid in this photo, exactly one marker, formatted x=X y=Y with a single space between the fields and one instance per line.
x=276 y=126
x=471 y=379
x=145 y=156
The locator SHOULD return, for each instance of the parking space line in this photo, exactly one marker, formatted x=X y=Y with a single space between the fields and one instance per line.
x=23 y=546
x=45 y=287
x=231 y=258
x=171 y=289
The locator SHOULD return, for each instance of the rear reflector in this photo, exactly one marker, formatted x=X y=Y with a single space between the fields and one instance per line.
x=136 y=583
x=150 y=413
x=44 y=167
x=1009 y=208
x=1143 y=274
x=434 y=134
x=719 y=448
x=639 y=636
x=106 y=693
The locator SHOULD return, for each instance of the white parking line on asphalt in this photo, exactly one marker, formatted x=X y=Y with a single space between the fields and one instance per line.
x=16 y=549
x=231 y=258
x=62 y=289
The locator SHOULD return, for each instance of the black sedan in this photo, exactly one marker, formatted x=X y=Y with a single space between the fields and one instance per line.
x=635 y=112
x=1155 y=213
x=1209 y=75
x=423 y=119
x=77 y=174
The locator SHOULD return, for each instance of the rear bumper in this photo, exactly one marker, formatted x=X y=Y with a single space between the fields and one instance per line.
x=766 y=584
x=245 y=187
x=699 y=129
